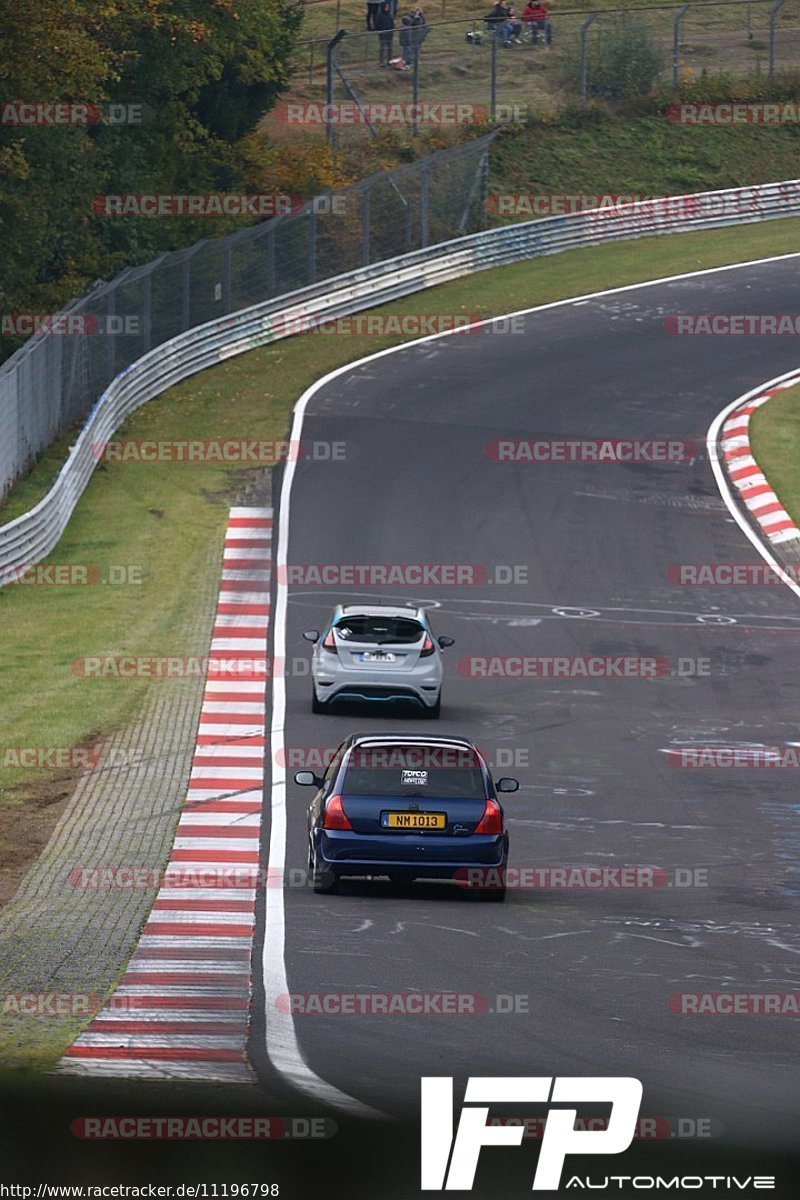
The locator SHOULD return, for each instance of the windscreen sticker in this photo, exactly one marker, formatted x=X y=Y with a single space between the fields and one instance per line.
x=415 y=777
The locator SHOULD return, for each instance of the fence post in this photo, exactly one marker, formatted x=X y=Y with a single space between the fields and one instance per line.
x=493 y=103
x=312 y=244
x=111 y=340
x=423 y=207
x=585 y=52
x=676 y=46
x=365 y=225
x=186 y=284
x=415 y=93
x=271 y=288
x=147 y=311
x=773 y=12
x=226 y=280
x=332 y=44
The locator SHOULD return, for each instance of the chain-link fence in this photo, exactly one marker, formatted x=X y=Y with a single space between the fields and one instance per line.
x=55 y=378
x=463 y=62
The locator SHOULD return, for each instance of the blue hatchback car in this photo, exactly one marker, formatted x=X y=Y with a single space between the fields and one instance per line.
x=409 y=806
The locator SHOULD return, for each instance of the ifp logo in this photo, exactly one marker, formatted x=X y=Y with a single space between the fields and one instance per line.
x=449 y=1164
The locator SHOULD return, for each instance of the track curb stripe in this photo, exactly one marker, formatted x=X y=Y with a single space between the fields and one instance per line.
x=744 y=473
x=192 y=963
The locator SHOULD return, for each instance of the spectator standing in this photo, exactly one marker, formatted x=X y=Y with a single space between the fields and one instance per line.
x=384 y=23
x=373 y=8
x=419 y=30
x=406 y=39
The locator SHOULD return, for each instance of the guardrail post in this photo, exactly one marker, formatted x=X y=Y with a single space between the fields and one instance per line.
x=365 y=226
x=585 y=52
x=493 y=101
x=676 y=46
x=332 y=44
x=773 y=13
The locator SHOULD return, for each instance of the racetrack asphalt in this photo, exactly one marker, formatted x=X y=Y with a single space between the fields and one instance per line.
x=595 y=969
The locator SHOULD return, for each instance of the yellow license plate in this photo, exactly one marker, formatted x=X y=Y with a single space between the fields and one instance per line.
x=416 y=820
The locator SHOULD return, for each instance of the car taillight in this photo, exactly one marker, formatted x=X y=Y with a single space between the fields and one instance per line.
x=492 y=819
x=427 y=648
x=335 y=817
x=329 y=643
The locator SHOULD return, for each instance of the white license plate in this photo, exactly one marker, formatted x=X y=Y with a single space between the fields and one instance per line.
x=374 y=656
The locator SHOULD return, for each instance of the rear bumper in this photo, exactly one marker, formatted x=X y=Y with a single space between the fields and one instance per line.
x=347 y=853
x=420 y=686
x=377 y=695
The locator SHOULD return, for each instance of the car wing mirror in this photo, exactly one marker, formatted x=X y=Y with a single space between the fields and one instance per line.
x=507 y=785
x=311 y=635
x=444 y=642
x=307 y=779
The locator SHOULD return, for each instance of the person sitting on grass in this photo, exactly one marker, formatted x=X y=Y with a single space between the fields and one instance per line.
x=538 y=18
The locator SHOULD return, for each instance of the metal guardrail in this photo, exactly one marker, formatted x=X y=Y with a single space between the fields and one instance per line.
x=33 y=535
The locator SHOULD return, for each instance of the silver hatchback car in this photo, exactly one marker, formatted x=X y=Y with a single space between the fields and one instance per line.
x=377 y=653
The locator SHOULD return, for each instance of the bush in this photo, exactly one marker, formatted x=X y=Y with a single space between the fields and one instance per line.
x=624 y=59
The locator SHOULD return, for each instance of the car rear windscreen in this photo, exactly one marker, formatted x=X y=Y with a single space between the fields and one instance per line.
x=385 y=631
x=446 y=772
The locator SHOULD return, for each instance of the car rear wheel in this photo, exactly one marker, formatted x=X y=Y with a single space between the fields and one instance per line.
x=493 y=895
x=317 y=706
x=433 y=714
x=324 y=881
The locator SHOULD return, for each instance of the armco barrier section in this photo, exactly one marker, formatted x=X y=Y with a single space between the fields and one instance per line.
x=33 y=535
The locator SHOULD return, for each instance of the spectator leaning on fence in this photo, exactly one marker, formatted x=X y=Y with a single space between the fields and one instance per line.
x=538 y=18
x=384 y=23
